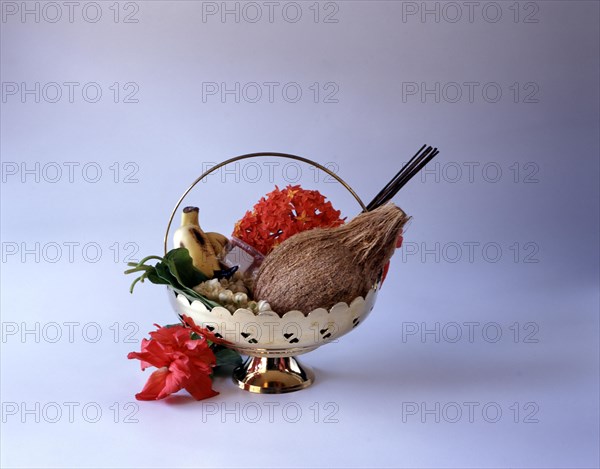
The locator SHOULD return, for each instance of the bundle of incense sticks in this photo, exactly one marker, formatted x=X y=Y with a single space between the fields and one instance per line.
x=408 y=171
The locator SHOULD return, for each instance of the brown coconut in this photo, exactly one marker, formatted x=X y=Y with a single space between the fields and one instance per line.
x=321 y=267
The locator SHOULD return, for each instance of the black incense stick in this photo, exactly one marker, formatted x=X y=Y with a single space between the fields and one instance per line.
x=408 y=171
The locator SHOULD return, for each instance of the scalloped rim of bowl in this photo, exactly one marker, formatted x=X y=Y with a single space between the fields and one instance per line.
x=268 y=334
x=199 y=306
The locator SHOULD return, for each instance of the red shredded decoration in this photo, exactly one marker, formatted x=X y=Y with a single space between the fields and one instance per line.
x=284 y=213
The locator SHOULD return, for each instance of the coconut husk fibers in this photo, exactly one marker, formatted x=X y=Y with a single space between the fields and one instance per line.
x=321 y=267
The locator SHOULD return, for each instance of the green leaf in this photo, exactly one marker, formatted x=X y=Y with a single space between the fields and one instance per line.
x=181 y=266
x=164 y=276
x=176 y=270
x=226 y=356
x=155 y=278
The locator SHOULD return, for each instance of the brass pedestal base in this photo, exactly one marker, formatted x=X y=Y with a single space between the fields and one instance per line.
x=273 y=375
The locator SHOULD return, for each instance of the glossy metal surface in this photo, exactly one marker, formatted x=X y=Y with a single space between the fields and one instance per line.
x=268 y=334
x=266 y=375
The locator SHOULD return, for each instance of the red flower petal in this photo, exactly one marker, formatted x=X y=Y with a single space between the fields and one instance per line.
x=202 y=331
x=181 y=362
x=144 y=364
x=399 y=242
x=385 y=272
x=152 y=354
x=200 y=386
x=156 y=386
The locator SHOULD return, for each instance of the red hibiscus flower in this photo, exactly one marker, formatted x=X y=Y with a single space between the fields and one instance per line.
x=182 y=362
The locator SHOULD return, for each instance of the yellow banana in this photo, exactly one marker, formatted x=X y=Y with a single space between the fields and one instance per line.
x=190 y=236
x=218 y=241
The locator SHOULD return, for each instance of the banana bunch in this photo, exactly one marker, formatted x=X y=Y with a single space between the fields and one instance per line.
x=204 y=248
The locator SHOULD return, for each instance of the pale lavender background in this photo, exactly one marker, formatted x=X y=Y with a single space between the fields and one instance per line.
x=170 y=133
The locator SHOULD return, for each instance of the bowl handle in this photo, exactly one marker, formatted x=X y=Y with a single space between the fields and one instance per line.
x=256 y=155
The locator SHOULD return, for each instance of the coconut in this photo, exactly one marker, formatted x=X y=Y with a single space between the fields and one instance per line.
x=324 y=266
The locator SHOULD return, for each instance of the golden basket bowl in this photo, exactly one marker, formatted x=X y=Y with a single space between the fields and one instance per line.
x=271 y=341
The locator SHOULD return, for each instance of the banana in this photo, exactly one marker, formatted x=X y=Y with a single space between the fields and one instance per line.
x=218 y=241
x=190 y=236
